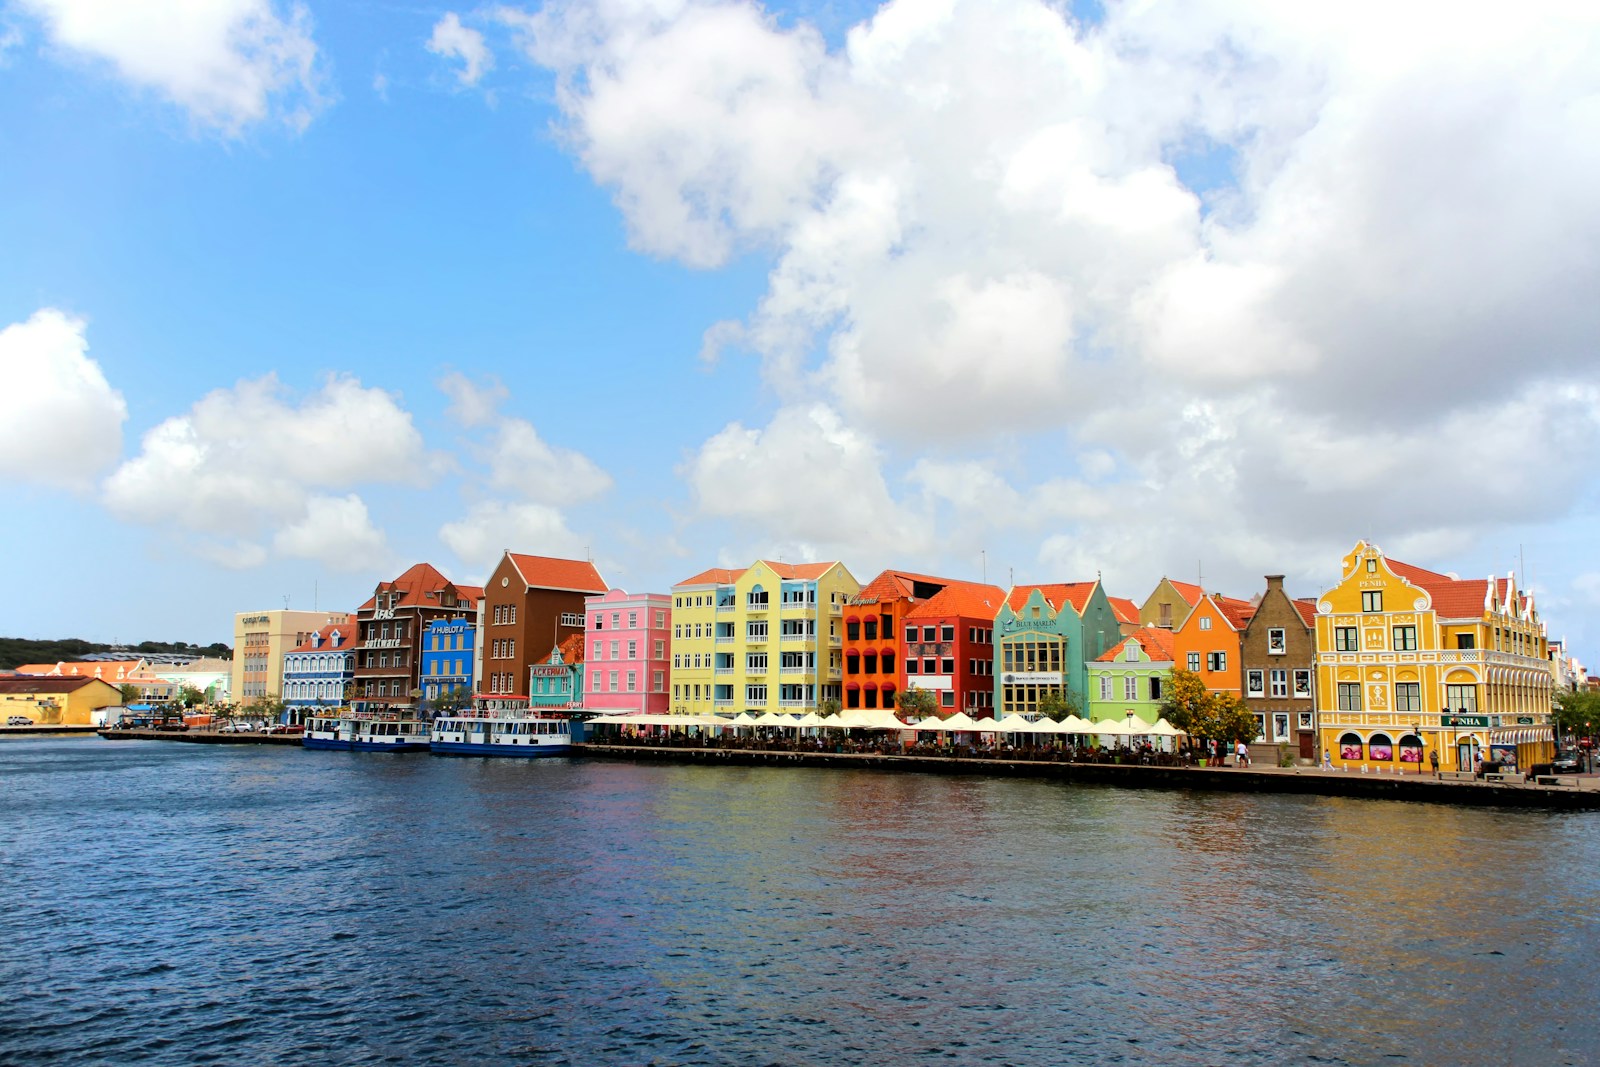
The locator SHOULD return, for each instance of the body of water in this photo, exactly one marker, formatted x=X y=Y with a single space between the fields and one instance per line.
x=171 y=903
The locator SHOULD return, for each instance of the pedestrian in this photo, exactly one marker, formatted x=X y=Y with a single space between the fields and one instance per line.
x=1327 y=760
x=1242 y=752
x=1433 y=758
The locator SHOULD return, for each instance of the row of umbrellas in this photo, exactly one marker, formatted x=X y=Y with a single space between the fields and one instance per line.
x=883 y=719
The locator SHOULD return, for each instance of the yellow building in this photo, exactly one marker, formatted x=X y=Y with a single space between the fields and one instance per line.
x=260 y=639
x=765 y=638
x=1411 y=662
x=58 y=701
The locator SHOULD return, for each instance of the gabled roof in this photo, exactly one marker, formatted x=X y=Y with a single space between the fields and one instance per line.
x=547 y=572
x=22 y=684
x=1188 y=590
x=572 y=650
x=897 y=585
x=414 y=587
x=1156 y=642
x=1075 y=593
x=1125 y=609
x=104 y=669
x=1236 y=612
x=965 y=600
x=1454 y=598
x=800 y=571
x=714 y=576
x=1307 y=608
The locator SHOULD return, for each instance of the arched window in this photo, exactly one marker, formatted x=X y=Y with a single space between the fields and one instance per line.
x=1411 y=749
x=1380 y=748
x=1351 y=747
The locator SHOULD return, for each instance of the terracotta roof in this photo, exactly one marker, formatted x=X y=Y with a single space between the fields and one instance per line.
x=1077 y=593
x=1189 y=591
x=473 y=593
x=1453 y=598
x=347 y=630
x=1237 y=612
x=801 y=571
x=545 y=572
x=413 y=586
x=1125 y=609
x=714 y=576
x=103 y=668
x=45 y=685
x=572 y=649
x=1416 y=575
x=1308 y=611
x=965 y=600
x=1157 y=643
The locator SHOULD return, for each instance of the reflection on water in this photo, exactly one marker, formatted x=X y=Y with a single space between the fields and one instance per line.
x=177 y=904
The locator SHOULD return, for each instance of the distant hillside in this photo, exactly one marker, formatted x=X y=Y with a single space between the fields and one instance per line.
x=15 y=651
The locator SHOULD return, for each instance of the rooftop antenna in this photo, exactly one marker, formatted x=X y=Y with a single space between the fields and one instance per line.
x=286 y=602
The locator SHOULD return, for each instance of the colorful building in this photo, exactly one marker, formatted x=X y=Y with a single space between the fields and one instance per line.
x=260 y=641
x=1127 y=613
x=1045 y=637
x=1277 y=653
x=629 y=664
x=766 y=638
x=873 y=653
x=1207 y=641
x=60 y=700
x=556 y=684
x=1412 y=662
x=531 y=605
x=1169 y=603
x=949 y=647
x=1129 y=681
x=318 y=673
x=390 y=627
x=449 y=650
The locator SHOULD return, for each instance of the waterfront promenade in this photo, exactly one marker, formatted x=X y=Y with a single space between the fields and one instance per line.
x=1575 y=791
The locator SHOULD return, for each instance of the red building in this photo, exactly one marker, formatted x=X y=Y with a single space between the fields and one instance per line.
x=390 y=624
x=872 y=657
x=948 y=644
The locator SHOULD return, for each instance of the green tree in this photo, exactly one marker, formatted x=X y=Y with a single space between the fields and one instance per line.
x=830 y=706
x=267 y=709
x=1234 y=721
x=1186 y=706
x=189 y=696
x=917 y=703
x=453 y=700
x=1058 y=704
x=130 y=693
x=1577 y=711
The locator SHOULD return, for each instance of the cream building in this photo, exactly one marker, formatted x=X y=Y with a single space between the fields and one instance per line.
x=260 y=641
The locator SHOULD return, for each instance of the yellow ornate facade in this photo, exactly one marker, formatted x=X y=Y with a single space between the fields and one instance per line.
x=1411 y=662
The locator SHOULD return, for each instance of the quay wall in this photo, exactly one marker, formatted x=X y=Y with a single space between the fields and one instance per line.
x=1423 y=788
x=198 y=737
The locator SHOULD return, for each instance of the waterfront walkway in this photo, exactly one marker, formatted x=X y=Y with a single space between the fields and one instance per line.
x=1575 y=791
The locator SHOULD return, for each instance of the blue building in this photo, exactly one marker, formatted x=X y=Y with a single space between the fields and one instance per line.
x=318 y=672
x=447 y=654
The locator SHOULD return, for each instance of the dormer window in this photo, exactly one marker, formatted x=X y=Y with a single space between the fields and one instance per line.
x=1133 y=652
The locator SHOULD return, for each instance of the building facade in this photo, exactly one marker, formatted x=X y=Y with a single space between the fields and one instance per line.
x=60 y=700
x=557 y=683
x=767 y=638
x=948 y=647
x=1169 y=603
x=448 y=650
x=390 y=625
x=1129 y=681
x=873 y=653
x=628 y=665
x=531 y=605
x=1045 y=637
x=318 y=673
x=1207 y=642
x=260 y=641
x=1412 y=662
x=1277 y=654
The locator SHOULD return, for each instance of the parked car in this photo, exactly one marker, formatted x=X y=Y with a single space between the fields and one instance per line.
x=19 y=720
x=1566 y=763
x=284 y=728
x=237 y=728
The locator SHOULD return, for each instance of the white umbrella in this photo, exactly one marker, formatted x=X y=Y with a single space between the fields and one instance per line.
x=933 y=722
x=987 y=726
x=960 y=721
x=1112 y=728
x=1163 y=728
x=813 y=719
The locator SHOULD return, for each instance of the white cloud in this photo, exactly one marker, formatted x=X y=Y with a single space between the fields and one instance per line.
x=523 y=464
x=337 y=531
x=1264 y=280
x=473 y=405
x=249 y=462
x=491 y=527
x=455 y=41
x=229 y=63
x=64 y=426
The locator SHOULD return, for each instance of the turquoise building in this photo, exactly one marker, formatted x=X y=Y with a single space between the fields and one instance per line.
x=1045 y=636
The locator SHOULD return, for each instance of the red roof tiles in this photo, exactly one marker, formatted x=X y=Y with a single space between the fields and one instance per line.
x=1075 y=593
x=965 y=600
x=1156 y=642
x=1237 y=612
x=1125 y=609
x=1190 y=592
x=546 y=572
x=1308 y=611
x=714 y=576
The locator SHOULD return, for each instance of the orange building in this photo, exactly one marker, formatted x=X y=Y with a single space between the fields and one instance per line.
x=874 y=659
x=948 y=647
x=1208 y=641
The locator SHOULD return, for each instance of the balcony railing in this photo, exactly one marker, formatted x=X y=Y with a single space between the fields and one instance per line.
x=797 y=639
x=724 y=670
x=753 y=606
x=729 y=606
x=755 y=639
x=794 y=702
x=797 y=670
x=724 y=639
x=722 y=702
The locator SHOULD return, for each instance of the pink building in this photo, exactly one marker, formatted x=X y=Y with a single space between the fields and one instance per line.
x=627 y=667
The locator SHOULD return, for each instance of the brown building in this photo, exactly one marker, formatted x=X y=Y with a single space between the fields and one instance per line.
x=531 y=604
x=389 y=640
x=1277 y=650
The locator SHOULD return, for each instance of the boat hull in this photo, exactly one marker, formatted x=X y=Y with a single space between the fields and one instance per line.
x=332 y=744
x=468 y=748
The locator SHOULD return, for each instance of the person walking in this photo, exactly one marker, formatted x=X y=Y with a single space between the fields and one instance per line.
x=1327 y=760
x=1242 y=754
x=1433 y=758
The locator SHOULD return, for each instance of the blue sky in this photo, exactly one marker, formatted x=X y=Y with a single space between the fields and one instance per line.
x=1131 y=290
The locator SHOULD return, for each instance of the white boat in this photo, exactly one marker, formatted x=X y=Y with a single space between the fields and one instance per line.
x=366 y=732
x=501 y=735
